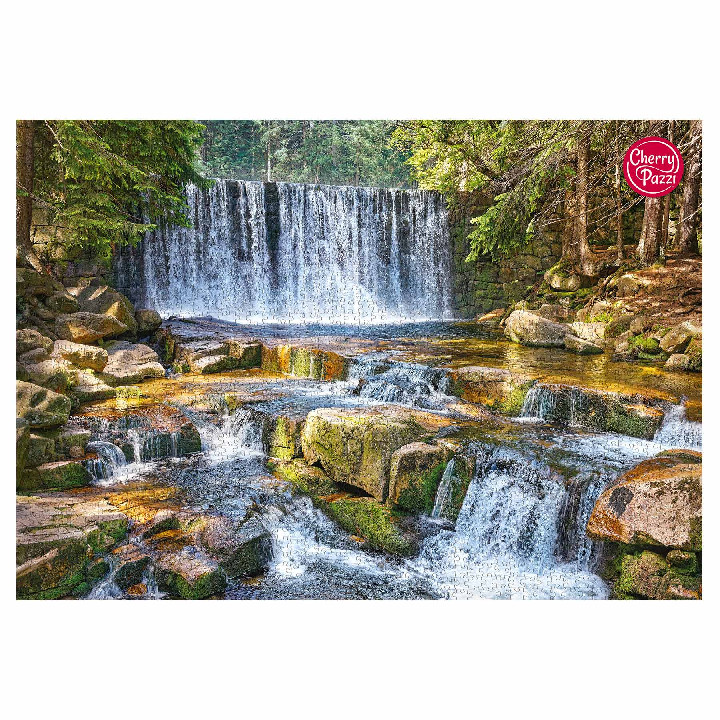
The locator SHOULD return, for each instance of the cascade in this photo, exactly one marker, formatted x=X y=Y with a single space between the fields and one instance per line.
x=109 y=459
x=285 y=252
x=444 y=491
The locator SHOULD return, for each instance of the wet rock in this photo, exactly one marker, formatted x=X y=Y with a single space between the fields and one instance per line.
x=130 y=573
x=129 y=363
x=57 y=535
x=306 y=478
x=40 y=450
x=213 y=364
x=415 y=473
x=87 y=327
x=530 y=329
x=59 y=475
x=137 y=590
x=285 y=437
x=187 y=573
x=40 y=407
x=657 y=503
x=355 y=445
x=89 y=357
x=642 y=575
x=305 y=362
x=580 y=346
x=243 y=550
x=148 y=321
x=497 y=389
x=248 y=355
x=29 y=339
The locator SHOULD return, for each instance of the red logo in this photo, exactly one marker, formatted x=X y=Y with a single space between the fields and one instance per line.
x=653 y=167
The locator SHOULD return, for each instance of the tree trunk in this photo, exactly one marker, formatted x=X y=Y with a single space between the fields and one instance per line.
x=25 y=168
x=581 y=205
x=686 y=238
x=665 y=212
x=649 y=244
x=620 y=247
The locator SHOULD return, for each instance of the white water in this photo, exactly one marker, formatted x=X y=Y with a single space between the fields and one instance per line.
x=290 y=253
x=444 y=491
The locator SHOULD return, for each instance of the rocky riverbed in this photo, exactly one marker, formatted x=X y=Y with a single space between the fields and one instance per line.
x=194 y=458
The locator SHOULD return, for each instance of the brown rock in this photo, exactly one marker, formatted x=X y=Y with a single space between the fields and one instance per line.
x=86 y=327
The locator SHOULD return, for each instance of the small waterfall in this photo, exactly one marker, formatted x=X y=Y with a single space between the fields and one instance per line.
x=402 y=383
x=240 y=434
x=284 y=252
x=109 y=458
x=540 y=403
x=677 y=431
x=507 y=535
x=444 y=491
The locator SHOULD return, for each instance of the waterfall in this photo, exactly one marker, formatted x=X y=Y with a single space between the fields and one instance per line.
x=285 y=252
x=509 y=532
x=677 y=431
x=109 y=458
x=444 y=491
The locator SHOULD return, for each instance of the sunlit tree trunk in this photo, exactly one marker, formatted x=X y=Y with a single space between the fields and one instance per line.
x=581 y=205
x=686 y=238
x=649 y=245
x=25 y=167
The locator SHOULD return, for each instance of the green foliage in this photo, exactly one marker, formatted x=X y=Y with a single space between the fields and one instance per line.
x=102 y=182
x=336 y=152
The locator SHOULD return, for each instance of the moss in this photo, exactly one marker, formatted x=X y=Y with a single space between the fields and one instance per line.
x=108 y=534
x=208 y=584
x=463 y=472
x=168 y=523
x=603 y=317
x=305 y=478
x=419 y=496
x=54 y=476
x=131 y=573
x=513 y=403
x=372 y=521
x=648 y=345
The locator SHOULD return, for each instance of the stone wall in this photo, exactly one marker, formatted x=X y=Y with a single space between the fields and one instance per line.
x=486 y=284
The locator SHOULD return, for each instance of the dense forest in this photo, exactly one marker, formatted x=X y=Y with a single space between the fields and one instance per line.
x=95 y=184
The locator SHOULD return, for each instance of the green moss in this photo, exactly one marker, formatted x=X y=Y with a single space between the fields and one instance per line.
x=211 y=583
x=168 y=523
x=57 y=476
x=370 y=520
x=131 y=573
x=107 y=535
x=305 y=478
x=419 y=496
x=513 y=403
x=603 y=317
x=648 y=345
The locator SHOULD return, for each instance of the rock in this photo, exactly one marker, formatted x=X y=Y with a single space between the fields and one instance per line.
x=676 y=339
x=89 y=357
x=491 y=318
x=32 y=283
x=530 y=329
x=415 y=473
x=104 y=300
x=61 y=302
x=556 y=313
x=129 y=363
x=130 y=573
x=684 y=561
x=59 y=475
x=627 y=286
x=498 y=389
x=56 y=536
x=305 y=362
x=32 y=357
x=22 y=442
x=641 y=575
x=40 y=450
x=580 y=346
x=41 y=408
x=601 y=308
x=657 y=503
x=354 y=446
x=305 y=478
x=565 y=282
x=29 y=339
x=593 y=332
x=242 y=551
x=248 y=355
x=87 y=327
x=619 y=326
x=147 y=321
x=55 y=374
x=681 y=361
x=599 y=410
x=89 y=388
x=187 y=573
x=213 y=364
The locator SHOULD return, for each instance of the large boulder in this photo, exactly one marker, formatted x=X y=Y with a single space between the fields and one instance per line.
x=415 y=473
x=55 y=374
x=90 y=388
x=27 y=340
x=40 y=407
x=593 y=332
x=87 y=327
x=102 y=299
x=678 y=338
x=498 y=389
x=242 y=551
x=657 y=503
x=580 y=346
x=354 y=445
x=529 y=329
x=129 y=363
x=147 y=321
x=88 y=357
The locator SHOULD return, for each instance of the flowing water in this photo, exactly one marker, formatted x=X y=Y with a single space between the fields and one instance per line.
x=291 y=253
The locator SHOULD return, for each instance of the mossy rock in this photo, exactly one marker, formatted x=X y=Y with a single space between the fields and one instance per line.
x=372 y=521
x=107 y=535
x=60 y=475
x=131 y=573
x=175 y=585
x=306 y=478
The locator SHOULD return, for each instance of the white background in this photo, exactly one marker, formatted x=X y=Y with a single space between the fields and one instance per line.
x=333 y=60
